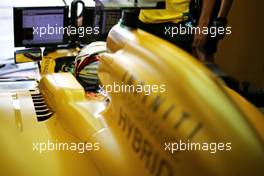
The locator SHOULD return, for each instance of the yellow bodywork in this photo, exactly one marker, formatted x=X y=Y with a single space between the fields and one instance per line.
x=132 y=128
x=49 y=61
x=21 y=58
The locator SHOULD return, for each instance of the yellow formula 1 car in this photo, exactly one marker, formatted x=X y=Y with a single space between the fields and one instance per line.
x=184 y=121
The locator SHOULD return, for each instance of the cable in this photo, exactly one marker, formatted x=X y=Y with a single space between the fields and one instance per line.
x=65 y=3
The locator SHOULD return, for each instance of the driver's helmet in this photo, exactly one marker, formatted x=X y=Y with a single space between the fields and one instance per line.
x=86 y=65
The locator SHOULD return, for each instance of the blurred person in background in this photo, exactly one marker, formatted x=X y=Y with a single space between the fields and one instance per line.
x=175 y=15
x=205 y=47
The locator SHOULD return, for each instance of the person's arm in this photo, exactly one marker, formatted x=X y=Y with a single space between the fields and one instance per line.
x=225 y=8
x=206 y=13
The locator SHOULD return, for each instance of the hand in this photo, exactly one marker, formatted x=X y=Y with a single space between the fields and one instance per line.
x=200 y=55
x=199 y=41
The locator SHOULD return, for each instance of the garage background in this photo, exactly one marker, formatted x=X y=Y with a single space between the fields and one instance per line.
x=241 y=53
